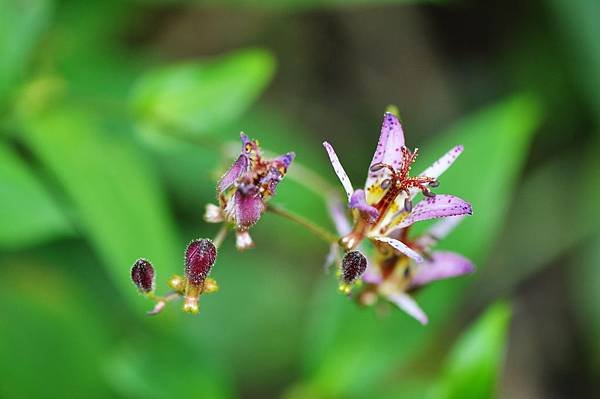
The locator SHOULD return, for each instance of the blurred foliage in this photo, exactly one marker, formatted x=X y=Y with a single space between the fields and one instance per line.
x=473 y=366
x=29 y=214
x=116 y=118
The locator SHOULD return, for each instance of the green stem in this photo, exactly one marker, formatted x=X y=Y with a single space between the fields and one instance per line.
x=319 y=231
x=218 y=240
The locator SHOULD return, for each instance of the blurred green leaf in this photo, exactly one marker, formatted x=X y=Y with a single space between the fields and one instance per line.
x=29 y=214
x=578 y=20
x=352 y=348
x=475 y=363
x=159 y=367
x=116 y=196
x=197 y=97
x=21 y=24
x=546 y=238
x=51 y=338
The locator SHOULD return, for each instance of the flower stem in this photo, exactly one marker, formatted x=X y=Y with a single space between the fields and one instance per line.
x=319 y=231
x=218 y=240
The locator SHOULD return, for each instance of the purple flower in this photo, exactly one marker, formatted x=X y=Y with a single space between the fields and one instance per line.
x=245 y=188
x=383 y=213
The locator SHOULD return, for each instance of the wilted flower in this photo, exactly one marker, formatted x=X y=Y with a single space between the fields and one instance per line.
x=245 y=188
x=383 y=213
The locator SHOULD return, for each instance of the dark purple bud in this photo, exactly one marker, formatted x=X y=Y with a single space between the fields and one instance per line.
x=142 y=275
x=434 y=184
x=354 y=265
x=407 y=204
x=200 y=256
x=386 y=184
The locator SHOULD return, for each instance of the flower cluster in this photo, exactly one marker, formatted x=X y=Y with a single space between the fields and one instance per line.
x=383 y=214
x=378 y=255
x=245 y=188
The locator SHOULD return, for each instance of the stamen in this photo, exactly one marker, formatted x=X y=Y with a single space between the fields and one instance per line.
x=434 y=183
x=386 y=184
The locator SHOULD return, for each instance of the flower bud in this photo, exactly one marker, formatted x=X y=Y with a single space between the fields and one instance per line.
x=200 y=256
x=142 y=275
x=354 y=265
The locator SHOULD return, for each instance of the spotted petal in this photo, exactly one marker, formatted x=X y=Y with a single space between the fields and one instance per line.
x=339 y=170
x=436 y=207
x=337 y=211
x=388 y=151
x=442 y=164
x=442 y=265
x=400 y=246
x=408 y=304
x=285 y=159
x=359 y=201
x=239 y=167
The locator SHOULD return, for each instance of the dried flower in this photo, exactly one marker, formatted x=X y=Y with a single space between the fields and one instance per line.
x=383 y=213
x=142 y=275
x=245 y=188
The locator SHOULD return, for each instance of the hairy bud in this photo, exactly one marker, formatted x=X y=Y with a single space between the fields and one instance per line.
x=354 y=265
x=200 y=256
x=142 y=275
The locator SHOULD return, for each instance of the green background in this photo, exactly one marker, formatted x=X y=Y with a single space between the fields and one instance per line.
x=117 y=117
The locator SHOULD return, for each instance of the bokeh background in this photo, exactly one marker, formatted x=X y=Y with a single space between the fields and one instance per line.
x=116 y=117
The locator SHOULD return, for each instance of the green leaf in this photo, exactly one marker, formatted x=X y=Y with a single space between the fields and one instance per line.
x=29 y=214
x=475 y=363
x=351 y=348
x=160 y=367
x=50 y=333
x=197 y=97
x=21 y=24
x=116 y=196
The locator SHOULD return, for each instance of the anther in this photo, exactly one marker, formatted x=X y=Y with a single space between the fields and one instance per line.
x=428 y=193
x=407 y=204
x=386 y=184
x=434 y=183
x=376 y=167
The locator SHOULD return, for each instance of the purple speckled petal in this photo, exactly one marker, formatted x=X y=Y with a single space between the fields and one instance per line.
x=248 y=208
x=408 y=304
x=359 y=201
x=337 y=211
x=442 y=164
x=339 y=170
x=388 y=148
x=400 y=246
x=245 y=140
x=439 y=231
x=436 y=207
x=239 y=167
x=443 y=265
x=285 y=159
